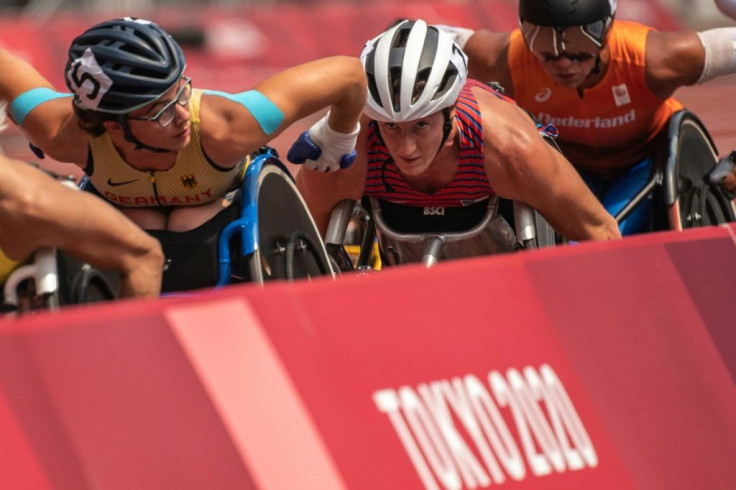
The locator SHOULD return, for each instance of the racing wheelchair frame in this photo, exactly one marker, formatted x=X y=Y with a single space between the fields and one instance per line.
x=684 y=194
x=278 y=237
x=52 y=279
x=491 y=233
x=266 y=234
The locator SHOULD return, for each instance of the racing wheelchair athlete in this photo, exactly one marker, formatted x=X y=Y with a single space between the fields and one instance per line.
x=433 y=168
x=610 y=86
x=686 y=188
x=266 y=234
x=169 y=155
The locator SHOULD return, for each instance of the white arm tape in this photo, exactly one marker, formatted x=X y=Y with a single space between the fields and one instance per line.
x=3 y=116
x=720 y=52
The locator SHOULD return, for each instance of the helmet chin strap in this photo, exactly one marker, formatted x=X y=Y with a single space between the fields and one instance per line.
x=446 y=127
x=130 y=138
x=595 y=71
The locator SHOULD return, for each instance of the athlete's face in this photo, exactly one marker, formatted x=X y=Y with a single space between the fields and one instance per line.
x=165 y=122
x=413 y=144
x=568 y=57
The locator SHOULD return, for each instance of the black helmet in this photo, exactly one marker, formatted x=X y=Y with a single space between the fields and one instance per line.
x=121 y=65
x=593 y=16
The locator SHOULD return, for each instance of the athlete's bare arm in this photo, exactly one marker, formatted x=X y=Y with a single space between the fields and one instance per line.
x=230 y=131
x=323 y=190
x=673 y=60
x=51 y=125
x=37 y=211
x=522 y=166
x=488 y=58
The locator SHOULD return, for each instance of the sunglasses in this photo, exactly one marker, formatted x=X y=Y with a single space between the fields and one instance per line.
x=574 y=57
x=167 y=113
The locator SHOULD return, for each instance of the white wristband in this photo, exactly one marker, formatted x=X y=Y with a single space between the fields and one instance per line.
x=720 y=52
x=334 y=145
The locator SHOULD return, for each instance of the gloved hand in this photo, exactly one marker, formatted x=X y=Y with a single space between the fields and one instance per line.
x=324 y=149
x=725 y=167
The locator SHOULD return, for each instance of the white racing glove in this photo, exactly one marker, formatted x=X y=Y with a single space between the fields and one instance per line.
x=324 y=149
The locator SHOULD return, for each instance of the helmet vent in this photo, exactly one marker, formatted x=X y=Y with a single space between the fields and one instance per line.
x=448 y=81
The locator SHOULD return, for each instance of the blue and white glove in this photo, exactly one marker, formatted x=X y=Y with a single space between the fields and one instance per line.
x=724 y=167
x=324 y=149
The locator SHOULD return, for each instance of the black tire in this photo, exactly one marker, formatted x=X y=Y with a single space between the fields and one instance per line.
x=701 y=203
x=80 y=283
x=91 y=286
x=289 y=244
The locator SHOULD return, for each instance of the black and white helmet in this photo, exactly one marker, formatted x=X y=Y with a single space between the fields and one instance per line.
x=594 y=17
x=413 y=70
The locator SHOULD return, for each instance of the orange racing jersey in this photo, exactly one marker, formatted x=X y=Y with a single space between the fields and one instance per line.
x=193 y=179
x=612 y=125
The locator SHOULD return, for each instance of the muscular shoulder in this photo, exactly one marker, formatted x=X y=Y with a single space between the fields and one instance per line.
x=509 y=134
x=673 y=59
x=516 y=158
x=488 y=56
x=222 y=126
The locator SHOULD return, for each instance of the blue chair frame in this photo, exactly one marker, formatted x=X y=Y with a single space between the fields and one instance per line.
x=298 y=229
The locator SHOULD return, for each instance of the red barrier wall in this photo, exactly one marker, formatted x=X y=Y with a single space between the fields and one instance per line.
x=606 y=365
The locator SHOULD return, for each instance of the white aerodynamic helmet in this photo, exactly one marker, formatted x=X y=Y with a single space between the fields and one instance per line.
x=413 y=70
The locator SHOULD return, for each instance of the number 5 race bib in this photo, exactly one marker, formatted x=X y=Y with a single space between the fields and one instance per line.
x=87 y=80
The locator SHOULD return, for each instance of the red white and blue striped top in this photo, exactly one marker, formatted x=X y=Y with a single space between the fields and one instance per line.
x=470 y=184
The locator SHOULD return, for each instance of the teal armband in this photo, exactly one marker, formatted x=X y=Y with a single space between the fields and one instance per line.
x=268 y=116
x=27 y=101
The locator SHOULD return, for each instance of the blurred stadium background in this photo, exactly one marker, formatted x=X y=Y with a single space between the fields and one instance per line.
x=233 y=44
